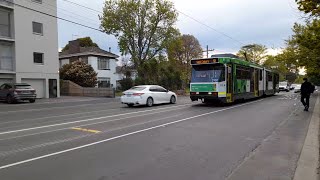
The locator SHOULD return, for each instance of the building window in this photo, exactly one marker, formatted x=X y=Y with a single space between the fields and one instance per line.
x=38 y=58
x=103 y=64
x=84 y=59
x=104 y=82
x=5 y=25
x=6 y=56
x=37 y=1
x=37 y=28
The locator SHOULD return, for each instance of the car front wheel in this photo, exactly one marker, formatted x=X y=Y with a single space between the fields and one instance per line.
x=10 y=99
x=32 y=100
x=149 y=102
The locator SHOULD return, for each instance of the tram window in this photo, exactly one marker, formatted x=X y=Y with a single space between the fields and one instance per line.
x=252 y=74
x=276 y=78
x=243 y=72
x=208 y=73
x=269 y=76
x=260 y=74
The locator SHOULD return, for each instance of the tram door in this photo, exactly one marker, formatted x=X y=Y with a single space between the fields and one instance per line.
x=230 y=83
x=256 y=82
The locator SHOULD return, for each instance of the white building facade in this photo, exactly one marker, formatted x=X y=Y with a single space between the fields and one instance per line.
x=103 y=62
x=29 y=44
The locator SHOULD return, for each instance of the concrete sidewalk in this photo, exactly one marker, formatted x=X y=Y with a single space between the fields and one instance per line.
x=280 y=155
x=308 y=164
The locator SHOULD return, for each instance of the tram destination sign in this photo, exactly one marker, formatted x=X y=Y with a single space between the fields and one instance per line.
x=204 y=61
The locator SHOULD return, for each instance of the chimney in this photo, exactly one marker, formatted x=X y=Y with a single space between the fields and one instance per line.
x=109 y=49
x=74 y=46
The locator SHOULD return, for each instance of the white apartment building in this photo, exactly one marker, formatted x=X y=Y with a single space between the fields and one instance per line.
x=29 y=45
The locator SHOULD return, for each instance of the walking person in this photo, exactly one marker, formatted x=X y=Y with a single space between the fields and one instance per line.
x=306 y=89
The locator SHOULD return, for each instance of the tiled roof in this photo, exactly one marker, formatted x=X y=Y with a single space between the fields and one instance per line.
x=87 y=51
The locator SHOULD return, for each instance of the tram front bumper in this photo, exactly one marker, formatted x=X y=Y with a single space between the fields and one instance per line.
x=208 y=98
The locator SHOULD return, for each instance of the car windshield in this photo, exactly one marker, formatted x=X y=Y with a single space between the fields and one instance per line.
x=137 y=88
x=23 y=87
x=283 y=84
x=208 y=73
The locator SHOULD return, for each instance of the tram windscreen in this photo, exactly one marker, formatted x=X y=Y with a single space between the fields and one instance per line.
x=208 y=73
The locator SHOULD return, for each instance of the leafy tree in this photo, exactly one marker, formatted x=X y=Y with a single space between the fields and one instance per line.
x=306 y=41
x=253 y=53
x=80 y=73
x=143 y=27
x=160 y=71
x=299 y=79
x=309 y=6
x=181 y=50
x=84 y=42
x=126 y=83
x=274 y=62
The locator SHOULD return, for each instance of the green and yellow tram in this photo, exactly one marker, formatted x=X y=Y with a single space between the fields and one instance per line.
x=227 y=79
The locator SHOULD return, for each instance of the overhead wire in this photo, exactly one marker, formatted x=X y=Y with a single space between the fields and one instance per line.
x=73 y=14
x=54 y=16
x=194 y=19
x=97 y=29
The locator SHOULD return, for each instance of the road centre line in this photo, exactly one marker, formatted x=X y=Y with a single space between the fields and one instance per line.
x=120 y=136
x=100 y=122
x=86 y=120
x=85 y=130
x=79 y=137
x=63 y=115
x=60 y=102
x=49 y=108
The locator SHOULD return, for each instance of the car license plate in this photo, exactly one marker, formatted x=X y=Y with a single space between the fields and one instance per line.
x=128 y=95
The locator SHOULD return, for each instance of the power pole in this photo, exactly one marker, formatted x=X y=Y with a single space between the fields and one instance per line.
x=207 y=50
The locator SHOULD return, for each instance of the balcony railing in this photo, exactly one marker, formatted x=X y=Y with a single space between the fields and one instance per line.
x=6 y=2
x=6 y=63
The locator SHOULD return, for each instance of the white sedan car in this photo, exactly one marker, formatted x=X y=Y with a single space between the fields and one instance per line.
x=148 y=95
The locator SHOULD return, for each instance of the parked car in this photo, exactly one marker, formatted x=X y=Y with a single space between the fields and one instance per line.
x=12 y=93
x=284 y=86
x=148 y=95
x=297 y=88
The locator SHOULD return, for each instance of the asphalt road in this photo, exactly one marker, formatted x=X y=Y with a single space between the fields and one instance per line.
x=100 y=139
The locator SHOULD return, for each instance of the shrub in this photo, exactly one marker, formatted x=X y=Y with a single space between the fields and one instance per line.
x=80 y=73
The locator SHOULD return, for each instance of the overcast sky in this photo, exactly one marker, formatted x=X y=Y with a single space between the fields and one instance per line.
x=266 y=22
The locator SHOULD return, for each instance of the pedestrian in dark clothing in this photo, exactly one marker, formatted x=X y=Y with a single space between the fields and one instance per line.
x=306 y=89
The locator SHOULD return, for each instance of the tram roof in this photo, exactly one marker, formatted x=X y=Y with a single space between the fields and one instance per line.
x=232 y=59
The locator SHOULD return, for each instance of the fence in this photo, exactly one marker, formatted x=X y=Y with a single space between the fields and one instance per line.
x=69 y=88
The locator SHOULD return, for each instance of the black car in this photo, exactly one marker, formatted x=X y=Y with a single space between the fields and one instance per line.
x=12 y=93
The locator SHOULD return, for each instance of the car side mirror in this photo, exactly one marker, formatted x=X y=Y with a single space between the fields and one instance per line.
x=167 y=90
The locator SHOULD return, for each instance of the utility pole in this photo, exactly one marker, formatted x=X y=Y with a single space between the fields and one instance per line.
x=207 y=50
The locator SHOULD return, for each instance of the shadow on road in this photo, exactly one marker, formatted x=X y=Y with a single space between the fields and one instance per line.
x=217 y=104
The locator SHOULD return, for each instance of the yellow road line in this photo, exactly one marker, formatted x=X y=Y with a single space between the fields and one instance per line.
x=86 y=130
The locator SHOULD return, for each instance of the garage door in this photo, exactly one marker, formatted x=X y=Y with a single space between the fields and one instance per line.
x=5 y=80
x=38 y=85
